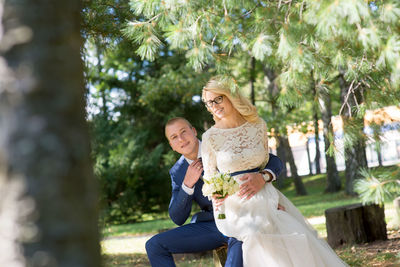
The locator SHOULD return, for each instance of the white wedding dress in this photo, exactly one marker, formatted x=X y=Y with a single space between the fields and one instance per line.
x=271 y=237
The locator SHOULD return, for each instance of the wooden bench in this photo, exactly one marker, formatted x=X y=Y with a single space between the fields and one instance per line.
x=218 y=254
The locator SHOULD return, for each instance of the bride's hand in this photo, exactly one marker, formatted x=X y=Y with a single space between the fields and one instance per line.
x=218 y=200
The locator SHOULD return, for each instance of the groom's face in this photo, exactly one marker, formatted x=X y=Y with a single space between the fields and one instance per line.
x=183 y=138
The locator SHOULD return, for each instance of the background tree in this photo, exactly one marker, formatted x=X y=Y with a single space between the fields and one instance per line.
x=277 y=118
x=48 y=200
x=132 y=156
x=333 y=182
x=357 y=39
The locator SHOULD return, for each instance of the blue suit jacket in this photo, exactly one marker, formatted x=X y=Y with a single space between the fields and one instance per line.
x=181 y=203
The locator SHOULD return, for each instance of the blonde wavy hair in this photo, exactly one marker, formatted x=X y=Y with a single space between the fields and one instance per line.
x=221 y=86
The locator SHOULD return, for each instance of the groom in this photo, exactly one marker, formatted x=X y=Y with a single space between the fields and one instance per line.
x=201 y=234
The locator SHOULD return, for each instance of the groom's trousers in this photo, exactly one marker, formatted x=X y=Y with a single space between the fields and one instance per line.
x=189 y=238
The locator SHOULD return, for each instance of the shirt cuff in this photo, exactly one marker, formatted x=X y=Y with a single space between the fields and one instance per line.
x=272 y=173
x=188 y=190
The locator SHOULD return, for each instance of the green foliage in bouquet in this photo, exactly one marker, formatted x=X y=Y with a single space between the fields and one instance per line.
x=221 y=184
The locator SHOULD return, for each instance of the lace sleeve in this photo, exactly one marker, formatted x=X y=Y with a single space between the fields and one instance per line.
x=208 y=157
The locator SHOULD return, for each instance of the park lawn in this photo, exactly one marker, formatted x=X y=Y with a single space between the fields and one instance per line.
x=312 y=205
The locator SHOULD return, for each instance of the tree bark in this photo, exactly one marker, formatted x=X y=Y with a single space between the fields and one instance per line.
x=308 y=156
x=316 y=128
x=280 y=151
x=355 y=155
x=252 y=79
x=298 y=183
x=317 y=151
x=103 y=95
x=48 y=200
x=355 y=224
x=273 y=93
x=333 y=183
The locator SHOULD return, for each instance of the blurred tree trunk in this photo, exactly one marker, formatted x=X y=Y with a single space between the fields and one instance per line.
x=48 y=201
x=333 y=183
x=353 y=126
x=298 y=183
x=252 y=79
x=102 y=89
x=316 y=128
x=273 y=94
x=308 y=156
x=280 y=152
x=317 y=152
x=376 y=129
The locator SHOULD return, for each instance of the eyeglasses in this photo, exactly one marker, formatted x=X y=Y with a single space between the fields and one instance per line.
x=217 y=100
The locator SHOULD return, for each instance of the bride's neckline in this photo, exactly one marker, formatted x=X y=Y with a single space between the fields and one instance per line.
x=232 y=128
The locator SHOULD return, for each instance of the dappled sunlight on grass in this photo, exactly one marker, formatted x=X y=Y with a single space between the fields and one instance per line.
x=137 y=228
x=123 y=245
x=125 y=260
x=321 y=229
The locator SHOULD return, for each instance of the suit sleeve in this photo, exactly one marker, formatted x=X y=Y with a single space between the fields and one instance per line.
x=274 y=164
x=181 y=203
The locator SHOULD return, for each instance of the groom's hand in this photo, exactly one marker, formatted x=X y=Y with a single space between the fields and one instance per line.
x=193 y=173
x=253 y=182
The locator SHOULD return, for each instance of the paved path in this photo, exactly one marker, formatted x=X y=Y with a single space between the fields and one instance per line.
x=136 y=244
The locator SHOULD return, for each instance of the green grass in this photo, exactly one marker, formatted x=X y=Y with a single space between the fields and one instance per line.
x=137 y=228
x=125 y=250
x=311 y=205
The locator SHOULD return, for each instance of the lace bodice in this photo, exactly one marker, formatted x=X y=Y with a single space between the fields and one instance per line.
x=279 y=238
x=235 y=149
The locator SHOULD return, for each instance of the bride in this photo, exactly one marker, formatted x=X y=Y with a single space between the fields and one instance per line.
x=236 y=143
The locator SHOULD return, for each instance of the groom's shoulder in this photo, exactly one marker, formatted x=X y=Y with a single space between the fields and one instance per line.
x=178 y=165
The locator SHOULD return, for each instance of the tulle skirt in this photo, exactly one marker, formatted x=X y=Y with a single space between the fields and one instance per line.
x=272 y=237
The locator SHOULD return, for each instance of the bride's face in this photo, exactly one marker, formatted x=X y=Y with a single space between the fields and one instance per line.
x=219 y=105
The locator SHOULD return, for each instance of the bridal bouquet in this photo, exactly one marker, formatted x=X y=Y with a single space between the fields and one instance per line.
x=222 y=184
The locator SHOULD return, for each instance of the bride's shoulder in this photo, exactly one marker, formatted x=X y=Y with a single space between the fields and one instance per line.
x=209 y=133
x=210 y=136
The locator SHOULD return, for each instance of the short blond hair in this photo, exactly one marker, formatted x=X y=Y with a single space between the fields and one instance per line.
x=173 y=120
x=221 y=86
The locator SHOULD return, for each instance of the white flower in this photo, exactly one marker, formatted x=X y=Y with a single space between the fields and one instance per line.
x=221 y=183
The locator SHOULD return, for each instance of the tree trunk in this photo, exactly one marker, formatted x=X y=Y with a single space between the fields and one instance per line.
x=333 y=183
x=317 y=151
x=353 y=126
x=48 y=201
x=280 y=151
x=379 y=154
x=376 y=133
x=104 y=108
x=316 y=128
x=308 y=156
x=298 y=183
x=273 y=94
x=355 y=224
x=253 y=79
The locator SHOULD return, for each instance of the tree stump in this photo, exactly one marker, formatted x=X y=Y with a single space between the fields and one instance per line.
x=396 y=220
x=355 y=224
